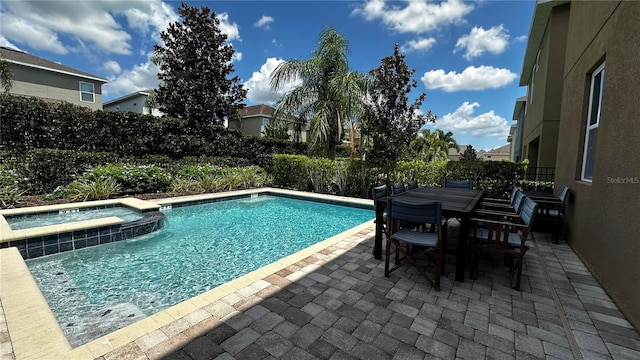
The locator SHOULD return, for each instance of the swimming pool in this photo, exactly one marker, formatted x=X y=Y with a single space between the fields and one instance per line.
x=96 y=290
x=71 y=215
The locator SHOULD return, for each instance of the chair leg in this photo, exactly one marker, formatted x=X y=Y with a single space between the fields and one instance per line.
x=519 y=271
x=439 y=267
x=386 y=258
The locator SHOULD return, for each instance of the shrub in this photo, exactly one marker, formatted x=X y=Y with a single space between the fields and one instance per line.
x=9 y=178
x=184 y=185
x=199 y=171
x=98 y=189
x=534 y=185
x=133 y=178
x=290 y=171
x=46 y=169
x=10 y=196
x=209 y=183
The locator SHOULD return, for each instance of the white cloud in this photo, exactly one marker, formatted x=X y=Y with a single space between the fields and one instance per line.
x=259 y=85
x=264 y=22
x=35 y=36
x=6 y=43
x=472 y=78
x=521 y=38
x=231 y=29
x=237 y=56
x=142 y=77
x=464 y=120
x=92 y=24
x=417 y=16
x=479 y=40
x=420 y=45
x=112 y=67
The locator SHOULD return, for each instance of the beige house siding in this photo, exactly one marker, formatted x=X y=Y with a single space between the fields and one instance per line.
x=132 y=102
x=541 y=121
x=251 y=126
x=602 y=215
x=254 y=119
x=52 y=86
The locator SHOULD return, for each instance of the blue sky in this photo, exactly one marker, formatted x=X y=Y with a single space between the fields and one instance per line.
x=467 y=54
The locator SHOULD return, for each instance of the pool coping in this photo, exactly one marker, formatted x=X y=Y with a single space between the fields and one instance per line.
x=35 y=333
x=7 y=234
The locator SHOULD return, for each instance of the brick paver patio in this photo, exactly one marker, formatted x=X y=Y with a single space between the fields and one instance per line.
x=337 y=304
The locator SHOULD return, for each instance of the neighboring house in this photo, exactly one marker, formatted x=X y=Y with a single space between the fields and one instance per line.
x=542 y=73
x=134 y=102
x=38 y=77
x=582 y=70
x=455 y=154
x=515 y=133
x=255 y=118
x=497 y=154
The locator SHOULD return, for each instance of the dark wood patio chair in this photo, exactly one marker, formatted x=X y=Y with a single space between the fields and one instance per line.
x=397 y=188
x=507 y=237
x=458 y=184
x=413 y=184
x=411 y=243
x=512 y=207
x=551 y=210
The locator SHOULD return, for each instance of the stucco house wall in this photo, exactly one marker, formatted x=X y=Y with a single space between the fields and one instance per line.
x=601 y=223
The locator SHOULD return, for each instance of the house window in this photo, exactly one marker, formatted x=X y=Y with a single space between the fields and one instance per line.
x=593 y=121
x=87 y=92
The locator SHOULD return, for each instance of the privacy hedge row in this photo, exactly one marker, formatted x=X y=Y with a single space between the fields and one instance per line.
x=356 y=178
x=40 y=171
x=30 y=123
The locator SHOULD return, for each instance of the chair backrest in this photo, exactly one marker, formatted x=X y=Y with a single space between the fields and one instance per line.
x=518 y=201
x=564 y=194
x=514 y=192
x=378 y=192
x=529 y=210
x=415 y=212
x=458 y=184
x=397 y=188
x=413 y=184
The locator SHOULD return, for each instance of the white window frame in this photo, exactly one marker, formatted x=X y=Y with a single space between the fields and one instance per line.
x=93 y=92
x=591 y=127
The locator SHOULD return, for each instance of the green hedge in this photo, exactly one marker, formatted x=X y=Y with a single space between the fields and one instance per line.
x=43 y=170
x=30 y=123
x=355 y=178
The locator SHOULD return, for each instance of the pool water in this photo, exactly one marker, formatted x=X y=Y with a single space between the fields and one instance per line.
x=94 y=291
x=71 y=215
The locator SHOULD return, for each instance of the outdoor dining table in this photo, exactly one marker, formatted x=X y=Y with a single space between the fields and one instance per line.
x=456 y=203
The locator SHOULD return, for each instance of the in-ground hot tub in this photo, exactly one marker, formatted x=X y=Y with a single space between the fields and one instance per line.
x=46 y=230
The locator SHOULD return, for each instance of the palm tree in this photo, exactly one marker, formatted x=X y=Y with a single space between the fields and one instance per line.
x=448 y=138
x=435 y=145
x=330 y=95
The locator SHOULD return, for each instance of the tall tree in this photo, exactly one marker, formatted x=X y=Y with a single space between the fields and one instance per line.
x=390 y=122
x=195 y=70
x=6 y=75
x=469 y=154
x=330 y=95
